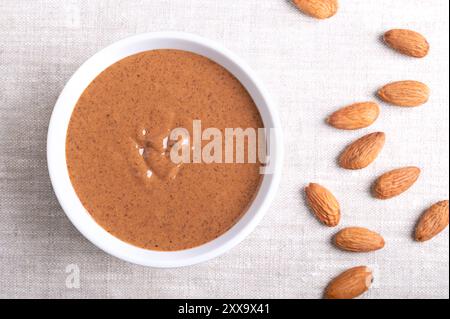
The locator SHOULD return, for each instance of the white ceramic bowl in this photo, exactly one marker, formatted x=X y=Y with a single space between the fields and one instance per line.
x=59 y=174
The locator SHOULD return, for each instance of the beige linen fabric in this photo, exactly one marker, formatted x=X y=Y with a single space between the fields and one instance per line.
x=310 y=67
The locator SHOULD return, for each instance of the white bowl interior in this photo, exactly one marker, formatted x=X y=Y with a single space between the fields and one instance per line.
x=57 y=160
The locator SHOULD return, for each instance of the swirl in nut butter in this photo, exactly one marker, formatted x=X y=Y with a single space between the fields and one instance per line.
x=118 y=150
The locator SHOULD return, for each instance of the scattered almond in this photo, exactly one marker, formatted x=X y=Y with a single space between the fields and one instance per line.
x=320 y=9
x=324 y=204
x=355 y=116
x=362 y=152
x=358 y=239
x=405 y=93
x=433 y=221
x=407 y=42
x=395 y=182
x=350 y=284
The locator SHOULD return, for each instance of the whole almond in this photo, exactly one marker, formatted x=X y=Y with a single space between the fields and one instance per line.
x=395 y=182
x=433 y=221
x=362 y=152
x=320 y=9
x=350 y=284
x=355 y=116
x=407 y=42
x=405 y=93
x=358 y=239
x=324 y=205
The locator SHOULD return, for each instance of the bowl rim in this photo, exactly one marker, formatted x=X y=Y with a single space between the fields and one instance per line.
x=58 y=170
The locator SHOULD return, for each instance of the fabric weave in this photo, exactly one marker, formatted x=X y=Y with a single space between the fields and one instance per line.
x=311 y=68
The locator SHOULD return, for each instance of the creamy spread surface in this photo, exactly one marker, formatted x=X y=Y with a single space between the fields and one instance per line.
x=117 y=150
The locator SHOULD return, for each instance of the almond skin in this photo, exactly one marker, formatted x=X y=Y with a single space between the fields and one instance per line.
x=363 y=151
x=407 y=42
x=395 y=182
x=432 y=222
x=324 y=205
x=355 y=116
x=405 y=93
x=350 y=284
x=358 y=239
x=319 y=9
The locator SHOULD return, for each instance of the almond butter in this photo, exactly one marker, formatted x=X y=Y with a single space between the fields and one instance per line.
x=433 y=221
x=405 y=93
x=407 y=42
x=350 y=284
x=320 y=9
x=324 y=205
x=362 y=152
x=358 y=239
x=355 y=116
x=395 y=182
